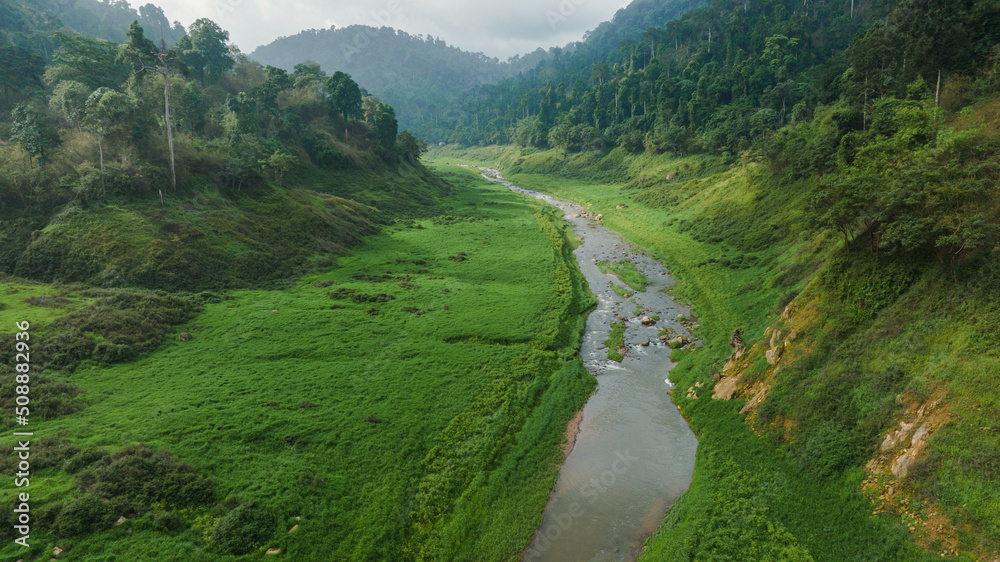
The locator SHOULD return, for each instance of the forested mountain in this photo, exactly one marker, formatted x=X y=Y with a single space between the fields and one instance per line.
x=410 y=72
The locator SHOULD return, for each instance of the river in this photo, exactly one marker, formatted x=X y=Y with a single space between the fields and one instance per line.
x=634 y=453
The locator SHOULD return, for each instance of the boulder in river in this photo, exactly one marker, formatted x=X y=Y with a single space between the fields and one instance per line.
x=679 y=341
x=647 y=321
x=621 y=350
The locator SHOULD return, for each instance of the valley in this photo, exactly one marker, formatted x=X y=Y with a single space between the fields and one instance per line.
x=720 y=280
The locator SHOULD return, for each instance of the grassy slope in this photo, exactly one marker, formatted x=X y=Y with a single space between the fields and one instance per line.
x=205 y=238
x=736 y=245
x=389 y=434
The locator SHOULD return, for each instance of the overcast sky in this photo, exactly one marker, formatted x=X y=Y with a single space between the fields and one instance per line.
x=497 y=28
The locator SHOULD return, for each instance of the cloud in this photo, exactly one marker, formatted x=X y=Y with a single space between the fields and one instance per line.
x=500 y=29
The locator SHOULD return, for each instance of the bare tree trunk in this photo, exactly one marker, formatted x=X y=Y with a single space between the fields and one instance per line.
x=170 y=129
x=937 y=93
x=100 y=148
x=852 y=9
x=864 y=109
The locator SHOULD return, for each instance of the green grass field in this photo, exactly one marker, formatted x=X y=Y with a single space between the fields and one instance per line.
x=422 y=423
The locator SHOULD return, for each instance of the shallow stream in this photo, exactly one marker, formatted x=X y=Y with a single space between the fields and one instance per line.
x=634 y=453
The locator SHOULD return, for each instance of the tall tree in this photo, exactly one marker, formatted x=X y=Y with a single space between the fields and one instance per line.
x=204 y=49
x=107 y=111
x=345 y=97
x=69 y=99
x=144 y=57
x=382 y=118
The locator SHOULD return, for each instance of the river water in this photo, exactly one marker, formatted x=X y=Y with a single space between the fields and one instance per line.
x=634 y=454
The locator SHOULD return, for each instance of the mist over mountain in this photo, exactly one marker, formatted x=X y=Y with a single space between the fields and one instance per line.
x=107 y=19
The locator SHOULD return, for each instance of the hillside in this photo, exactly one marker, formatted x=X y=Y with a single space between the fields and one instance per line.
x=855 y=418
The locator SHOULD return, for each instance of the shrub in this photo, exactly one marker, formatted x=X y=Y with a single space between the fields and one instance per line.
x=50 y=398
x=144 y=477
x=244 y=529
x=117 y=328
x=84 y=515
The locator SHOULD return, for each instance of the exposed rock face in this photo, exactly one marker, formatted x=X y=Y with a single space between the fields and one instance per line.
x=888 y=470
x=776 y=350
x=184 y=337
x=904 y=444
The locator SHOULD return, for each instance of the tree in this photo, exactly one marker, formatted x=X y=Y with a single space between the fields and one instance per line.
x=307 y=74
x=69 y=99
x=382 y=118
x=106 y=112
x=345 y=97
x=33 y=131
x=204 y=50
x=409 y=147
x=530 y=132
x=267 y=94
x=279 y=163
x=243 y=117
x=143 y=56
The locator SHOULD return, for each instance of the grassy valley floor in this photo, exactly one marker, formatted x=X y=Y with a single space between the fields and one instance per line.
x=408 y=402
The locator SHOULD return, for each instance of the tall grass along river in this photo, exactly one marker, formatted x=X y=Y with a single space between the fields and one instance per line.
x=634 y=453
